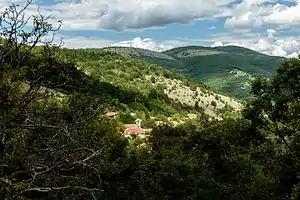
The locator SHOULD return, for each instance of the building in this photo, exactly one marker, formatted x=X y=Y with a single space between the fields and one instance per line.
x=134 y=129
x=138 y=122
x=112 y=115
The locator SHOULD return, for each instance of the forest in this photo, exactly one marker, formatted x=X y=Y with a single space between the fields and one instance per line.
x=57 y=144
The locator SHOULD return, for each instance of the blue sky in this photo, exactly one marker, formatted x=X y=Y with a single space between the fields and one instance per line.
x=267 y=26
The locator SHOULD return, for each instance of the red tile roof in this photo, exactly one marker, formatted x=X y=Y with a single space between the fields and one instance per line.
x=134 y=130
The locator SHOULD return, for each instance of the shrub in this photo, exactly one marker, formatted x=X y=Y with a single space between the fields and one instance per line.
x=213 y=103
x=126 y=118
x=193 y=88
x=153 y=79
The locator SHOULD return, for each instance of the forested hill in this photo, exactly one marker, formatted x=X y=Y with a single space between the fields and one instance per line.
x=228 y=69
x=170 y=94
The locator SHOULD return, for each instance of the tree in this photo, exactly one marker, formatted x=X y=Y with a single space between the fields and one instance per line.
x=50 y=147
x=275 y=114
x=17 y=62
x=206 y=160
x=213 y=103
x=196 y=105
x=153 y=79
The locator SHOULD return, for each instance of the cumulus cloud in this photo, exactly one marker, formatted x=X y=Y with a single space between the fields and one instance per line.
x=249 y=13
x=96 y=42
x=270 y=45
x=30 y=10
x=138 y=14
x=284 y=16
x=271 y=32
x=146 y=43
x=257 y=13
x=240 y=15
x=150 y=44
x=132 y=14
x=82 y=42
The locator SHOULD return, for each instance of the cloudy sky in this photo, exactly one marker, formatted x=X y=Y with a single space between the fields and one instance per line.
x=267 y=26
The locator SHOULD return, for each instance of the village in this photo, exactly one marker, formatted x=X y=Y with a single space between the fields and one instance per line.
x=132 y=130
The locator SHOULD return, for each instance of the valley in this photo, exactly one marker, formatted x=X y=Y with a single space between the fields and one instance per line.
x=117 y=123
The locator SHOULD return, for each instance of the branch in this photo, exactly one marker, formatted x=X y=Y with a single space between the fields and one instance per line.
x=38 y=126
x=6 y=181
x=39 y=173
x=47 y=189
x=97 y=153
x=28 y=98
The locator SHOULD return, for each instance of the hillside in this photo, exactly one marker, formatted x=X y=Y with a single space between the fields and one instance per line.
x=154 y=93
x=228 y=69
x=60 y=136
x=56 y=133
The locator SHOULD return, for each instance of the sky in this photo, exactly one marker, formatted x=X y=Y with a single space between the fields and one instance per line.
x=267 y=26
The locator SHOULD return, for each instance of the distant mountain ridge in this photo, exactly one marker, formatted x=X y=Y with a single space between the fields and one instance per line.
x=228 y=69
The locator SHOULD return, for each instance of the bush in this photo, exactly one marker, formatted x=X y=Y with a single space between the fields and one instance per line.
x=168 y=74
x=126 y=118
x=153 y=79
x=213 y=103
x=193 y=88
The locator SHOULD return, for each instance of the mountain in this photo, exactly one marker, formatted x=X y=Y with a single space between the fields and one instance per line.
x=227 y=69
x=152 y=92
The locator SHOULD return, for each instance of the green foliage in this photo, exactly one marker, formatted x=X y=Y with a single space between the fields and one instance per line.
x=214 y=66
x=275 y=114
x=56 y=142
x=153 y=79
x=210 y=156
x=126 y=118
x=123 y=81
x=213 y=103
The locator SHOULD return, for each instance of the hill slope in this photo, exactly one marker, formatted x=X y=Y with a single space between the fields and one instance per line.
x=152 y=91
x=227 y=69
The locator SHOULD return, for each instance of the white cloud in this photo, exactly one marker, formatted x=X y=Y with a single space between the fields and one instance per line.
x=270 y=45
x=82 y=42
x=132 y=14
x=149 y=44
x=248 y=14
x=288 y=46
x=285 y=16
x=217 y=44
x=257 y=13
x=241 y=16
x=271 y=32
x=96 y=42
x=139 y=14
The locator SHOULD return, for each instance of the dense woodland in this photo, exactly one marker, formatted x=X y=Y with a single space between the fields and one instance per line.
x=57 y=144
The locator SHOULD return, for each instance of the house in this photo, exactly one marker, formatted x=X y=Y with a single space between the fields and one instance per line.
x=134 y=129
x=130 y=126
x=112 y=115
